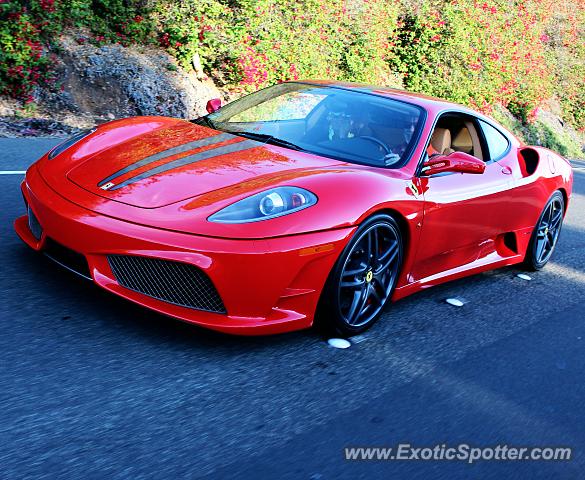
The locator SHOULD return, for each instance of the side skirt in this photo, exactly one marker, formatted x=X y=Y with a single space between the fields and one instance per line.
x=489 y=262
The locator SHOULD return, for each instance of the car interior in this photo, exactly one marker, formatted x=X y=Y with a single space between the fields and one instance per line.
x=376 y=131
x=455 y=133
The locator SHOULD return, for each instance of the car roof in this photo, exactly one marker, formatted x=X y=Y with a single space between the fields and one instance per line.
x=425 y=101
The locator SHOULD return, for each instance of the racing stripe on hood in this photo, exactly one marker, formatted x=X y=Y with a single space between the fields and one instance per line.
x=196 y=157
x=169 y=153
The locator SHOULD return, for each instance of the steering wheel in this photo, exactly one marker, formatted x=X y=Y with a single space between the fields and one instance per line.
x=378 y=142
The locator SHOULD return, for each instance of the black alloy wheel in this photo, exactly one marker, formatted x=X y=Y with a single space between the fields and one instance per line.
x=364 y=277
x=546 y=233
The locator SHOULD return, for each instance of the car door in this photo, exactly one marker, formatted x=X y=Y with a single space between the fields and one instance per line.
x=461 y=213
x=521 y=212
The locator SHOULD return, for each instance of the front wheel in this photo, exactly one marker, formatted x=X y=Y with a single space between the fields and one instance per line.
x=546 y=233
x=363 y=278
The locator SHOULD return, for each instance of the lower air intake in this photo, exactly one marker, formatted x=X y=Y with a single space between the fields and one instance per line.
x=34 y=225
x=174 y=282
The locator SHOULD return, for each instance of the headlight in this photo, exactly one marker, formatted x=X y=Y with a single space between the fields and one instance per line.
x=69 y=142
x=269 y=204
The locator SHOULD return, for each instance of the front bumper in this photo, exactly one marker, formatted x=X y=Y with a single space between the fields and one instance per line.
x=267 y=286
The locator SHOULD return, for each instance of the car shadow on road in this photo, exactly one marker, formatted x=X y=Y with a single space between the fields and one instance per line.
x=82 y=301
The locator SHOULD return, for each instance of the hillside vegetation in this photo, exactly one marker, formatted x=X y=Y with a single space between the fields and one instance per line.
x=513 y=54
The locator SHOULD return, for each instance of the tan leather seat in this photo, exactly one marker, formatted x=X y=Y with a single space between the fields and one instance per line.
x=463 y=141
x=441 y=141
x=468 y=141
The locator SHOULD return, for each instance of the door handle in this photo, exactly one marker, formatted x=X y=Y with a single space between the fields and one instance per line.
x=506 y=170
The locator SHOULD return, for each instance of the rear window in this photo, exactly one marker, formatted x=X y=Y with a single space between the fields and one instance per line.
x=497 y=143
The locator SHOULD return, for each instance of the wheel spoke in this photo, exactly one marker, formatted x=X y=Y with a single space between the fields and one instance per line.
x=387 y=259
x=368 y=275
x=551 y=239
x=357 y=305
x=550 y=213
x=548 y=230
x=555 y=222
x=356 y=271
x=357 y=282
x=363 y=301
x=372 y=245
x=376 y=295
x=540 y=247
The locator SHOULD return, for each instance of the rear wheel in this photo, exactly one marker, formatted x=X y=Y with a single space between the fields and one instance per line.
x=363 y=278
x=546 y=233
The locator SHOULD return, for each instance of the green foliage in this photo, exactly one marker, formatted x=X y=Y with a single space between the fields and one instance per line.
x=188 y=27
x=29 y=31
x=479 y=54
x=539 y=133
x=567 y=53
x=253 y=43
x=514 y=53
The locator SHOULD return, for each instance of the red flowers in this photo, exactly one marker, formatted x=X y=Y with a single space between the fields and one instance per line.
x=48 y=5
x=253 y=68
x=491 y=9
x=164 y=40
x=204 y=28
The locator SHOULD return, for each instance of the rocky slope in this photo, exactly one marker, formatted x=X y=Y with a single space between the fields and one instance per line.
x=98 y=84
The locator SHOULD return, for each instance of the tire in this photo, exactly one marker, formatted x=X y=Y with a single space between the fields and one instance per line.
x=546 y=233
x=363 y=278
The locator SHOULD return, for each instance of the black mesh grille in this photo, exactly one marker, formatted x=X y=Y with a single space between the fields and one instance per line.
x=174 y=282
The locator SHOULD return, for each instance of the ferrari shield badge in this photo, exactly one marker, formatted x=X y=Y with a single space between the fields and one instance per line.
x=413 y=188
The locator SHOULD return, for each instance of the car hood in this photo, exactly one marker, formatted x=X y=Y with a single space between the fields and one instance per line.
x=209 y=176
x=170 y=161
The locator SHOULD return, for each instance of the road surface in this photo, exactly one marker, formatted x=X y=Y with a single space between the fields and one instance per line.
x=94 y=387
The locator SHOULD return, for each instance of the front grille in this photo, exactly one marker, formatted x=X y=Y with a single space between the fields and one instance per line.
x=174 y=282
x=34 y=225
x=67 y=258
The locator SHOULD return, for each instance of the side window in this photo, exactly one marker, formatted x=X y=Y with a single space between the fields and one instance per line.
x=497 y=143
x=456 y=133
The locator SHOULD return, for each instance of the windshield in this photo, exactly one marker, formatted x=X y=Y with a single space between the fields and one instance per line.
x=349 y=125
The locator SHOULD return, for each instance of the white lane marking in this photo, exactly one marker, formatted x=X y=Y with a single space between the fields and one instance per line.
x=12 y=172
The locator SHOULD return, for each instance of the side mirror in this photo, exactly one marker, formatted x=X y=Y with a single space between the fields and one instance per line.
x=455 y=162
x=213 y=105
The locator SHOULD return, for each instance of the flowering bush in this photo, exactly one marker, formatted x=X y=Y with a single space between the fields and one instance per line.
x=190 y=27
x=29 y=31
x=566 y=51
x=23 y=64
x=477 y=52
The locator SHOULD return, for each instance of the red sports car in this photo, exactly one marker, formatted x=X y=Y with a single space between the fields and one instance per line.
x=304 y=202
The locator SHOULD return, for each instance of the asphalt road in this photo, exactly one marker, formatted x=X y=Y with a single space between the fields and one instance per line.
x=94 y=387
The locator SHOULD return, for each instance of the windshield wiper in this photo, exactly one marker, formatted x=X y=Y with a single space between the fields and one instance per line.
x=204 y=120
x=269 y=139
